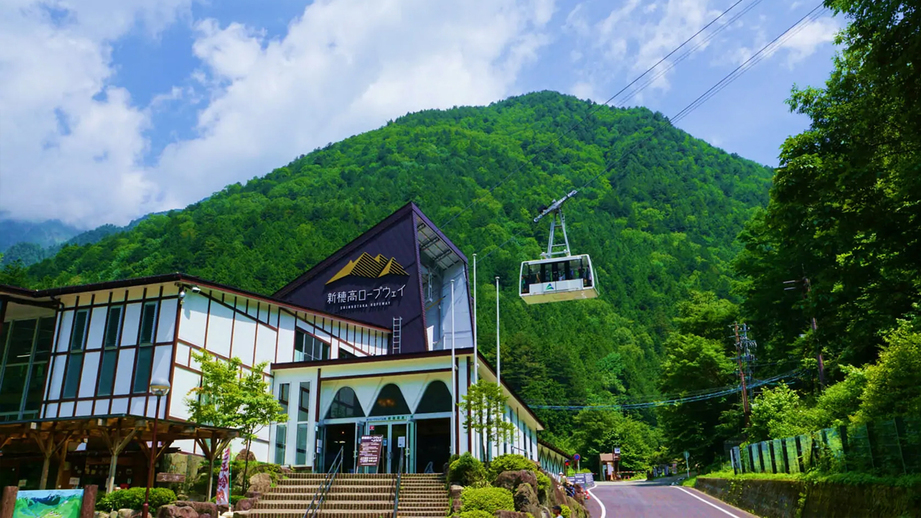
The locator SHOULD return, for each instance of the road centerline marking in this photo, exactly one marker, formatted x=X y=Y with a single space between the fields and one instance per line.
x=711 y=504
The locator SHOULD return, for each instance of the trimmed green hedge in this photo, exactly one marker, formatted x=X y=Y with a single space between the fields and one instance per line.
x=134 y=499
x=489 y=499
x=467 y=471
x=510 y=462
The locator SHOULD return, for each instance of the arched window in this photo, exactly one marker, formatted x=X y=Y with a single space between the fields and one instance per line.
x=437 y=398
x=390 y=401
x=345 y=404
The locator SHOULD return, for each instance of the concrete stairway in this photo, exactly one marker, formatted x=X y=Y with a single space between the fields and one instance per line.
x=358 y=496
x=423 y=496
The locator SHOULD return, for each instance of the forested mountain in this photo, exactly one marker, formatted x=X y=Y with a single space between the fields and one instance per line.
x=43 y=234
x=661 y=223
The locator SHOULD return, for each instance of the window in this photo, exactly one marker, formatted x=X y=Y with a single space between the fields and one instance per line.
x=283 y=396
x=72 y=375
x=345 y=404
x=390 y=401
x=78 y=334
x=107 y=373
x=148 y=319
x=142 y=370
x=300 y=457
x=113 y=327
x=308 y=348
x=281 y=432
x=25 y=347
x=303 y=402
x=437 y=398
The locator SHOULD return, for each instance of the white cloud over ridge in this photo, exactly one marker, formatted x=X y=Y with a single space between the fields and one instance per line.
x=71 y=144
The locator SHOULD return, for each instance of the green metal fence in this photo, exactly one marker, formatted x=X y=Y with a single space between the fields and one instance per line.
x=883 y=448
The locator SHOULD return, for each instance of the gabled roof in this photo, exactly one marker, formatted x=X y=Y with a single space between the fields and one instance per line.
x=423 y=225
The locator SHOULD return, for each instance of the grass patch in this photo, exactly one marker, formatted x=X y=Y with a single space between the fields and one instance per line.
x=689 y=482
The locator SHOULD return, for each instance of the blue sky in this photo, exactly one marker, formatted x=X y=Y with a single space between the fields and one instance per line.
x=110 y=109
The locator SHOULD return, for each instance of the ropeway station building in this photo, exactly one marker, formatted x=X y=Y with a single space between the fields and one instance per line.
x=361 y=344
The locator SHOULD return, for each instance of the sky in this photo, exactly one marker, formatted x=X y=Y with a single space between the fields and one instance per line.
x=112 y=109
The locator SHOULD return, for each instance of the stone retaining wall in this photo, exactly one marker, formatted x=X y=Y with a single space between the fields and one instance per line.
x=798 y=499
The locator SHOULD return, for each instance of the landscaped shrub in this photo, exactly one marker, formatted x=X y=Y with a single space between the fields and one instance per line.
x=510 y=462
x=467 y=471
x=544 y=485
x=134 y=499
x=489 y=499
x=565 y=511
x=476 y=514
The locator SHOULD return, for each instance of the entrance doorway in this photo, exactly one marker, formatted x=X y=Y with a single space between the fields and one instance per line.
x=433 y=444
x=340 y=436
x=390 y=451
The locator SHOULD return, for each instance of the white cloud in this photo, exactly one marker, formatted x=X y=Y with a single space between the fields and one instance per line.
x=69 y=142
x=343 y=67
x=801 y=43
x=636 y=35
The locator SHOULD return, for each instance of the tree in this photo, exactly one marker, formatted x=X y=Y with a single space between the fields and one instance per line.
x=484 y=405
x=893 y=386
x=600 y=431
x=779 y=412
x=228 y=399
x=259 y=408
x=695 y=364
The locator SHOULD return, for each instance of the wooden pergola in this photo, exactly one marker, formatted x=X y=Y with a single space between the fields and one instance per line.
x=51 y=437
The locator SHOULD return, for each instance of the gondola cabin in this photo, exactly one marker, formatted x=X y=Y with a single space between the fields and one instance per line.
x=557 y=279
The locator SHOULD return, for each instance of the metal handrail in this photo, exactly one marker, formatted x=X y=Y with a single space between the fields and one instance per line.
x=396 y=492
x=320 y=496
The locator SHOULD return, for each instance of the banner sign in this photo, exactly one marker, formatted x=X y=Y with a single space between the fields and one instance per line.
x=586 y=480
x=53 y=503
x=223 y=480
x=369 y=452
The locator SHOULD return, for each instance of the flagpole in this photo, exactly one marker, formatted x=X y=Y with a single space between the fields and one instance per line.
x=453 y=378
x=476 y=361
x=498 y=360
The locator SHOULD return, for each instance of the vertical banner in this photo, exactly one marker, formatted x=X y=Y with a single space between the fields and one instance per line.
x=223 y=480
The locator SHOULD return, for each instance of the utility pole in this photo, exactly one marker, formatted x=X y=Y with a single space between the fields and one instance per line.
x=806 y=287
x=743 y=346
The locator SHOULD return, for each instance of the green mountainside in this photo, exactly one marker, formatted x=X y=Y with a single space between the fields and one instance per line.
x=42 y=234
x=660 y=224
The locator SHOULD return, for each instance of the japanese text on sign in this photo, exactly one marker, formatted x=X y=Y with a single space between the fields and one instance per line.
x=369 y=452
x=356 y=299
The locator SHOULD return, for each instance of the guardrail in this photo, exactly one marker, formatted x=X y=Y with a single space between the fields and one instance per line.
x=320 y=496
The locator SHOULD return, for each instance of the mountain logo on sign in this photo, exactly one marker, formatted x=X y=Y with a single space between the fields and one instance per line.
x=369 y=268
x=549 y=286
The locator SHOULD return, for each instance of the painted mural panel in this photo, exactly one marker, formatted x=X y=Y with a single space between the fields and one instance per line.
x=59 y=503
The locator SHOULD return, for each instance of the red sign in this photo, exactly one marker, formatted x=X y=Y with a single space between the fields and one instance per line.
x=369 y=452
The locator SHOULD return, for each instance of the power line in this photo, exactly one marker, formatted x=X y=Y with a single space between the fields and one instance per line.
x=696 y=103
x=596 y=107
x=669 y=402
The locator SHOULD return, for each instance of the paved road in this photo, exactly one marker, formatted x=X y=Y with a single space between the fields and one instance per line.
x=637 y=500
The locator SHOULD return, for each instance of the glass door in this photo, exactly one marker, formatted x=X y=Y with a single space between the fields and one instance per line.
x=394 y=435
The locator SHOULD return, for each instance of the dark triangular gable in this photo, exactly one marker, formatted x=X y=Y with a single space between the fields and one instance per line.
x=397 y=292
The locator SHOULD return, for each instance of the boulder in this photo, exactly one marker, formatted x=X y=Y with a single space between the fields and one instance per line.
x=244 y=454
x=244 y=504
x=126 y=513
x=255 y=495
x=260 y=483
x=174 y=511
x=510 y=514
x=456 y=490
x=206 y=515
x=221 y=509
x=526 y=500
x=512 y=479
x=101 y=514
x=578 y=510
x=200 y=507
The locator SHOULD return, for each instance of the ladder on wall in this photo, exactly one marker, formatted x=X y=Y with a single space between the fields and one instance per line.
x=396 y=337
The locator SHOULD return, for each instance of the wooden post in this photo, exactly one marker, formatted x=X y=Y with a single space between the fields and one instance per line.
x=8 y=502
x=88 y=507
x=59 y=480
x=116 y=443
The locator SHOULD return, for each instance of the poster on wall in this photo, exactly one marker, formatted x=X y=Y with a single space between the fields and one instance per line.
x=369 y=452
x=57 y=503
x=223 y=480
